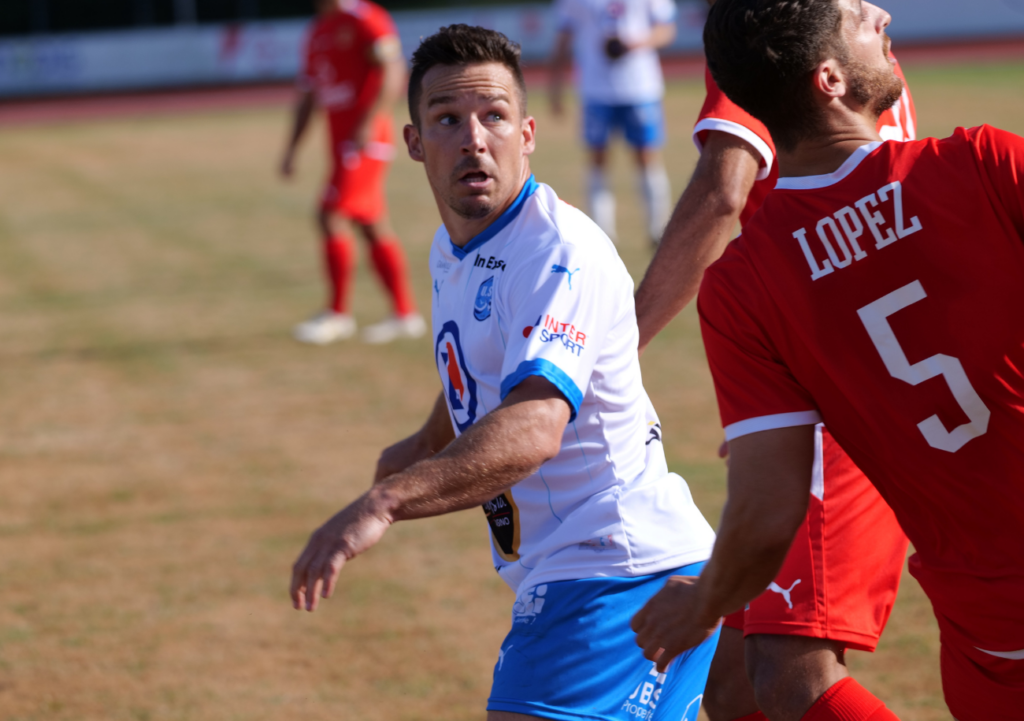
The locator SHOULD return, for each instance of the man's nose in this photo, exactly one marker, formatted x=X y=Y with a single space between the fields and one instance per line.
x=473 y=142
x=882 y=17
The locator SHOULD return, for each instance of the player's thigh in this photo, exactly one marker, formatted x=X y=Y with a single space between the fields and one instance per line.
x=571 y=647
x=644 y=125
x=598 y=121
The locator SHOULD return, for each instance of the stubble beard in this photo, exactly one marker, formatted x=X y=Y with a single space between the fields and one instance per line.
x=875 y=88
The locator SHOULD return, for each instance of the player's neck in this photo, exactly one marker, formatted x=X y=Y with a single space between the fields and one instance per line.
x=462 y=230
x=827 y=151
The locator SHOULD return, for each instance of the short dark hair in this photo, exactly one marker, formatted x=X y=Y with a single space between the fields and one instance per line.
x=463 y=45
x=761 y=54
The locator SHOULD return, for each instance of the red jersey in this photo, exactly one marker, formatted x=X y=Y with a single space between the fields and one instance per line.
x=887 y=299
x=341 y=67
x=720 y=113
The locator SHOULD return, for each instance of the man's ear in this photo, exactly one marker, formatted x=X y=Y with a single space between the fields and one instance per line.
x=529 y=135
x=829 y=79
x=413 y=142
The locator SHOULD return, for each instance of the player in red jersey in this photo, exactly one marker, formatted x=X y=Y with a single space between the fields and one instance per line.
x=354 y=70
x=879 y=288
x=822 y=602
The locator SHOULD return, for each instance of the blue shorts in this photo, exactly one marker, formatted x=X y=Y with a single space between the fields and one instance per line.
x=643 y=124
x=571 y=655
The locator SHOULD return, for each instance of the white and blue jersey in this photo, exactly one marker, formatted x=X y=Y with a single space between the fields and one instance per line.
x=542 y=292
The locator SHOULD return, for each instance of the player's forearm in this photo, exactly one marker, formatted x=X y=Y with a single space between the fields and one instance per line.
x=390 y=88
x=504 y=447
x=700 y=228
x=695 y=237
x=661 y=36
x=304 y=107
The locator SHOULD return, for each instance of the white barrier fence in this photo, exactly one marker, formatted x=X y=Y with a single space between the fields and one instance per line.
x=269 y=51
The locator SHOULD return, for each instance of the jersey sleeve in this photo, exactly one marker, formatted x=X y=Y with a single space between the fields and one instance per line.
x=662 y=11
x=377 y=24
x=557 y=310
x=1001 y=156
x=756 y=390
x=721 y=114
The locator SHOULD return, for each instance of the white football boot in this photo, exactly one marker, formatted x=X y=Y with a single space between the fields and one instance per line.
x=325 y=327
x=389 y=329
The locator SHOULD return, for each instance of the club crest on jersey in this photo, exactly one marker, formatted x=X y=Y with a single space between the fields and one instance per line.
x=459 y=386
x=482 y=305
x=562 y=269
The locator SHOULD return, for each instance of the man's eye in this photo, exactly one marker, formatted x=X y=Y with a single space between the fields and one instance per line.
x=447 y=120
x=495 y=116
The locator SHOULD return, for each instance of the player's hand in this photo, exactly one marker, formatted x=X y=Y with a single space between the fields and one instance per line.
x=350 y=532
x=362 y=134
x=671 y=622
x=396 y=458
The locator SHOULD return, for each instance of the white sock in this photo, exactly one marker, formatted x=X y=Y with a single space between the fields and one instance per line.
x=601 y=202
x=654 y=186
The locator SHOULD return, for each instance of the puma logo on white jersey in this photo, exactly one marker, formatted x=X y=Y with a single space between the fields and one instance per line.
x=784 y=592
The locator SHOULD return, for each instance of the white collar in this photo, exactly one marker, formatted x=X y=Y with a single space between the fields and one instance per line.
x=811 y=182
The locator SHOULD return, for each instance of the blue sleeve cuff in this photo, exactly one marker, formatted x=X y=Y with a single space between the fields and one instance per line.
x=545 y=369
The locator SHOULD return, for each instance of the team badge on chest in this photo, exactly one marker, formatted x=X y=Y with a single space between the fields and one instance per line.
x=484 y=294
x=459 y=385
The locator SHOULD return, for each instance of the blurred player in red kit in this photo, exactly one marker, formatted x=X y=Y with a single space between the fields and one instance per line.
x=839 y=582
x=879 y=289
x=354 y=70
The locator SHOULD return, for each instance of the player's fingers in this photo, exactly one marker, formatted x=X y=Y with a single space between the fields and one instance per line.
x=314 y=585
x=639 y=620
x=331 y=578
x=298 y=585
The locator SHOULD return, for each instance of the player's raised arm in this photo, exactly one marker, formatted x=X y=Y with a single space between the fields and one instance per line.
x=701 y=226
x=561 y=60
x=505 y=446
x=769 y=484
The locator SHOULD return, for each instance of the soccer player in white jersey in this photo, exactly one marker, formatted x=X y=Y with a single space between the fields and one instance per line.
x=542 y=419
x=615 y=44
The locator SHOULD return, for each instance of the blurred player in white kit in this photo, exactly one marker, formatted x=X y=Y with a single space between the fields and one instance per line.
x=615 y=47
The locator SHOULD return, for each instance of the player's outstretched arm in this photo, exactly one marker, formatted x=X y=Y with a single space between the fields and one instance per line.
x=435 y=434
x=504 y=447
x=769 y=483
x=700 y=227
x=305 y=104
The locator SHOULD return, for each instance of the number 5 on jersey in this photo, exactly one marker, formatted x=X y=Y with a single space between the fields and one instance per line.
x=874 y=316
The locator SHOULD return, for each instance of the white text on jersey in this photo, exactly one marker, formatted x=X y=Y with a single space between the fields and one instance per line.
x=847 y=239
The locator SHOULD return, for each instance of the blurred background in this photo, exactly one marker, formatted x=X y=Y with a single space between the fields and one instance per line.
x=166 y=447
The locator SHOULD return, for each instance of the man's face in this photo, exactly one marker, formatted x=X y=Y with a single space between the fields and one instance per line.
x=869 y=70
x=472 y=137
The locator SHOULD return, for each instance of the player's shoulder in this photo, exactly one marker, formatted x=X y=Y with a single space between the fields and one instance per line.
x=556 y=223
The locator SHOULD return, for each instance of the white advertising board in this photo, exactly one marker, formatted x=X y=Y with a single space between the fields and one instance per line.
x=270 y=51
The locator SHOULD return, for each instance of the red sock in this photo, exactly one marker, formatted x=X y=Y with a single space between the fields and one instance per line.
x=339 y=259
x=389 y=261
x=756 y=716
x=847 y=700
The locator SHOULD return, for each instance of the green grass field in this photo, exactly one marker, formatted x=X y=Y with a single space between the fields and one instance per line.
x=165 y=448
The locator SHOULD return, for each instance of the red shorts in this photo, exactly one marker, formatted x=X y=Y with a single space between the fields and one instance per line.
x=979 y=686
x=356 y=186
x=840 y=578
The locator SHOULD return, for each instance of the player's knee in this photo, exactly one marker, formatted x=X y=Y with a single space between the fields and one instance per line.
x=789 y=673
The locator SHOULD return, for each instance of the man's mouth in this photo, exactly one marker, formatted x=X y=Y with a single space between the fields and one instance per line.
x=474 y=177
